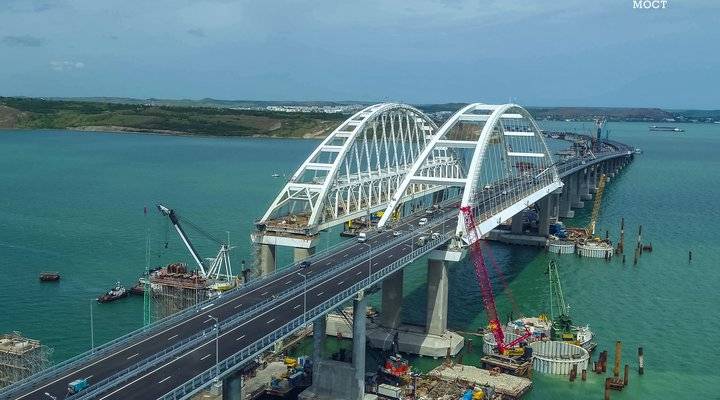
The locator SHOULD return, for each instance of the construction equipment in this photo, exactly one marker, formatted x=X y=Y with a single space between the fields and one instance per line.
x=488 y=297
x=220 y=268
x=596 y=206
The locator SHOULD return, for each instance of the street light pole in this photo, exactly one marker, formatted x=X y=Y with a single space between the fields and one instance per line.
x=217 y=347
x=304 y=297
x=92 y=328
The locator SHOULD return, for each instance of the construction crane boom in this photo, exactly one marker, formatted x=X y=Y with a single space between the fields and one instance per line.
x=596 y=205
x=481 y=273
x=170 y=213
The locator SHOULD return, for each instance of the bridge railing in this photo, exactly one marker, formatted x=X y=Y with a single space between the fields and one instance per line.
x=226 y=366
x=201 y=338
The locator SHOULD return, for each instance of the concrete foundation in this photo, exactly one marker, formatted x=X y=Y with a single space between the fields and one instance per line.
x=392 y=298
x=411 y=339
x=267 y=259
x=437 y=297
x=523 y=240
x=332 y=382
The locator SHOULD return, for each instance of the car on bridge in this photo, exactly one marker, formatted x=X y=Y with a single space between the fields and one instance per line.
x=422 y=221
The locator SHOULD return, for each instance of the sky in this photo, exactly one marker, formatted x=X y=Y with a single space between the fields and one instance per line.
x=535 y=53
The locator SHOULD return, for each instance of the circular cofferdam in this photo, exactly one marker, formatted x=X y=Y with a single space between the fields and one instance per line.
x=558 y=358
x=489 y=344
x=595 y=250
x=560 y=247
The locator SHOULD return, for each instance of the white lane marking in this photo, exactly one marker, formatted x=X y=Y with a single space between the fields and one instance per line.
x=265 y=293
x=359 y=273
x=240 y=338
x=390 y=256
x=240 y=296
x=207 y=306
x=165 y=379
x=133 y=356
x=88 y=377
x=207 y=320
x=172 y=337
x=346 y=255
x=375 y=264
x=297 y=306
x=238 y=306
x=204 y=357
x=340 y=283
x=271 y=320
x=320 y=294
x=289 y=282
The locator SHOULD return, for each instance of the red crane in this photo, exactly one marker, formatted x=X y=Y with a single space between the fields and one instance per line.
x=483 y=279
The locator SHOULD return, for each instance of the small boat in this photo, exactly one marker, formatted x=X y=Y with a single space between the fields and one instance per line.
x=139 y=288
x=118 y=292
x=665 y=129
x=275 y=175
x=638 y=150
x=49 y=276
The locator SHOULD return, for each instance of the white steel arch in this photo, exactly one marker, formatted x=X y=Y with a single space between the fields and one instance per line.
x=357 y=169
x=508 y=164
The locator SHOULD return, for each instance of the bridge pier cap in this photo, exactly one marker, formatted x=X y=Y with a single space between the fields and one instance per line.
x=506 y=165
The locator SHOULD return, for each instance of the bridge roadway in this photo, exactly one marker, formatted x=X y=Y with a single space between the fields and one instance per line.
x=175 y=371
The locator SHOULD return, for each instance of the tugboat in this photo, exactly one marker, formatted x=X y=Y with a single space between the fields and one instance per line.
x=118 y=292
x=49 y=276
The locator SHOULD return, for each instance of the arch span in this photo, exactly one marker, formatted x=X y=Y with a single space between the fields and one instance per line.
x=356 y=170
x=508 y=163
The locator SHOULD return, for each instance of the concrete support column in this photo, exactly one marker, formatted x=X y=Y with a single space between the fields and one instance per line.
x=594 y=179
x=359 y=338
x=232 y=387
x=300 y=253
x=544 y=216
x=267 y=259
x=319 y=327
x=437 y=297
x=517 y=223
x=392 y=297
x=575 y=191
x=554 y=206
x=585 y=185
x=564 y=206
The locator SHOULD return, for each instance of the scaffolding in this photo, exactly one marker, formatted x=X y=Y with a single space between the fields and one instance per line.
x=21 y=357
x=173 y=289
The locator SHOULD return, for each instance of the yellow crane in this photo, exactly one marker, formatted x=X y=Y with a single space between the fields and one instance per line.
x=596 y=206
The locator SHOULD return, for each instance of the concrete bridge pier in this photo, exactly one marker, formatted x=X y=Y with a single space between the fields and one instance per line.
x=359 y=339
x=437 y=297
x=574 y=186
x=593 y=179
x=300 y=253
x=517 y=223
x=267 y=259
x=232 y=387
x=392 y=298
x=564 y=210
x=555 y=206
x=319 y=328
x=585 y=185
x=544 y=212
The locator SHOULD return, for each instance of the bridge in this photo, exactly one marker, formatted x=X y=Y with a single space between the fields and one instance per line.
x=387 y=159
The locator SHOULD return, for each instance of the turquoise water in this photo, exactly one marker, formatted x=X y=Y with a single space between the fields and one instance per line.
x=73 y=202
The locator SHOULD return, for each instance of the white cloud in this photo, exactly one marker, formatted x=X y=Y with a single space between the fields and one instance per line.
x=66 y=65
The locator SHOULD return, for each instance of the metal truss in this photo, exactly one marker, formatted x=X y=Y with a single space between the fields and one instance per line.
x=357 y=169
x=504 y=153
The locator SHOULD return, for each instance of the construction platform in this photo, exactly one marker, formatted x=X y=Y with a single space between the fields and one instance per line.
x=20 y=357
x=412 y=339
x=508 y=385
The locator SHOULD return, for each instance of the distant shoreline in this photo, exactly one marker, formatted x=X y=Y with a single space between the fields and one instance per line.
x=134 y=131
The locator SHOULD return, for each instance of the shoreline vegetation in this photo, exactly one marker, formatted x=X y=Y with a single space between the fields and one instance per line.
x=222 y=118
